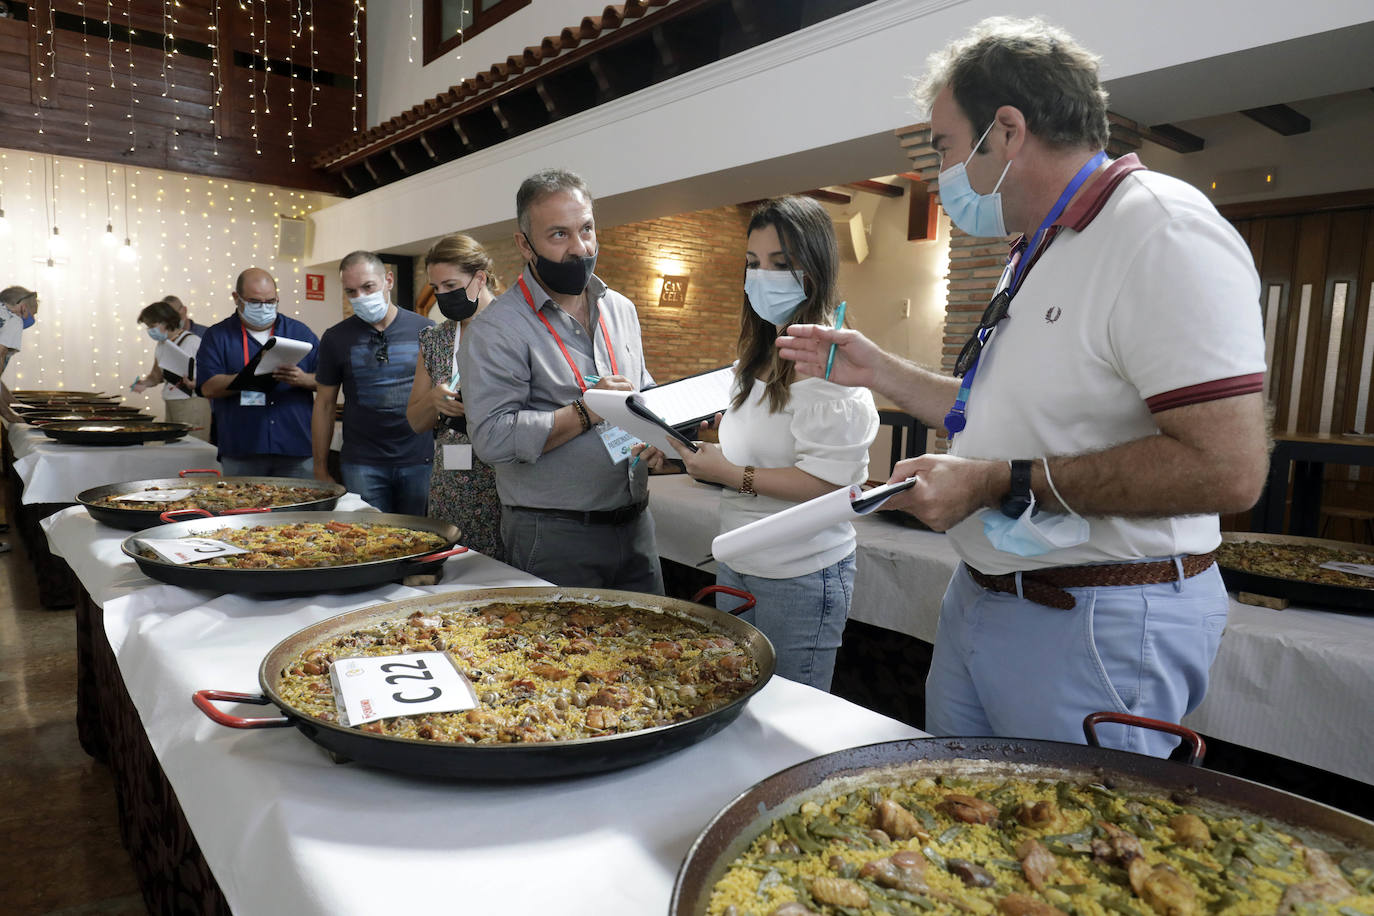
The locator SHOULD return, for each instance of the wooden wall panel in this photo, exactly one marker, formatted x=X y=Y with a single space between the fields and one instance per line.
x=183 y=99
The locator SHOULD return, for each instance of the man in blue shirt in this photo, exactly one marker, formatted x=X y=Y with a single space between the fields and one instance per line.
x=372 y=354
x=261 y=433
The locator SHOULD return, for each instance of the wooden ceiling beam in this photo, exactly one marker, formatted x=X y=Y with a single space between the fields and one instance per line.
x=881 y=188
x=1281 y=119
x=1175 y=138
x=830 y=197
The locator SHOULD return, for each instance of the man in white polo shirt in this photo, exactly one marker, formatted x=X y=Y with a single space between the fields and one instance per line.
x=1106 y=411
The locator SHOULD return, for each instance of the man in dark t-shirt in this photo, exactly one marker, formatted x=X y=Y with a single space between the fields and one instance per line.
x=373 y=355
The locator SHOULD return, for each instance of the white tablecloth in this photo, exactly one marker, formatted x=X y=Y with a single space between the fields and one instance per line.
x=285 y=830
x=55 y=473
x=1297 y=683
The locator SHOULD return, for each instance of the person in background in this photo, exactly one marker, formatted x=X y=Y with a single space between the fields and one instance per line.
x=186 y=324
x=570 y=513
x=260 y=434
x=179 y=398
x=463 y=487
x=787 y=439
x=1107 y=409
x=17 y=308
x=372 y=355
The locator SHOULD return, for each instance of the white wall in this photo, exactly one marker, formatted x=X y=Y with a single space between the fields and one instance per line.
x=838 y=83
x=396 y=75
x=192 y=236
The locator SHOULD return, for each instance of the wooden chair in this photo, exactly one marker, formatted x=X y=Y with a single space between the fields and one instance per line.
x=908 y=433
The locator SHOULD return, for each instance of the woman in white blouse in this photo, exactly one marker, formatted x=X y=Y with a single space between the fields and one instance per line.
x=179 y=398
x=785 y=440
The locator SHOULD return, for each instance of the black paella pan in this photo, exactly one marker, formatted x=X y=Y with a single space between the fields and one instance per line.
x=292 y=581
x=114 y=432
x=124 y=414
x=1299 y=591
x=536 y=760
x=315 y=496
x=736 y=825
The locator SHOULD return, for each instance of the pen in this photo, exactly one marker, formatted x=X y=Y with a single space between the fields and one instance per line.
x=839 y=323
x=591 y=379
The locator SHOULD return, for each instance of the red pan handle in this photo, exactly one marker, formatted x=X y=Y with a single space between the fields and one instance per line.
x=749 y=600
x=214 y=471
x=171 y=514
x=441 y=555
x=1197 y=747
x=204 y=702
x=245 y=511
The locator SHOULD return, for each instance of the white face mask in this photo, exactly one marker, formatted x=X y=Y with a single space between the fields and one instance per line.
x=980 y=215
x=774 y=295
x=1026 y=536
x=371 y=307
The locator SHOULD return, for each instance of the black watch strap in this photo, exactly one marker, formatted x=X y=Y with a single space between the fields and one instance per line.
x=1018 y=499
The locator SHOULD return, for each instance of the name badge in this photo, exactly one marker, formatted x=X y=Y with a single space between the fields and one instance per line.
x=618 y=442
x=155 y=496
x=252 y=399
x=385 y=686
x=457 y=457
x=1354 y=569
x=189 y=550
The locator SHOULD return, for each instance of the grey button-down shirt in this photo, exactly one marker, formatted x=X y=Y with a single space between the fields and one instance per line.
x=514 y=376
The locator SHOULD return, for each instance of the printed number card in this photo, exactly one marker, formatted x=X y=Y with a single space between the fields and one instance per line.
x=385 y=686
x=155 y=496
x=189 y=550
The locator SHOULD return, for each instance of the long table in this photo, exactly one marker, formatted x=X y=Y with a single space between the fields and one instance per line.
x=1305 y=457
x=1297 y=683
x=285 y=829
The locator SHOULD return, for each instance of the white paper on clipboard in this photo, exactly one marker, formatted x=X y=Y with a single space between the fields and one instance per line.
x=692 y=399
x=283 y=351
x=172 y=360
x=843 y=505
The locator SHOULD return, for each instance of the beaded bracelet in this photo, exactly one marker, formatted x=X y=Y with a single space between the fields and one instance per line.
x=582 y=414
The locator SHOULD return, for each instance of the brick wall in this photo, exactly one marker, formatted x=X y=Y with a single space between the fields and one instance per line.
x=708 y=248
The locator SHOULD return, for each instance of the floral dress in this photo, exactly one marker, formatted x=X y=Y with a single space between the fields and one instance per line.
x=465 y=498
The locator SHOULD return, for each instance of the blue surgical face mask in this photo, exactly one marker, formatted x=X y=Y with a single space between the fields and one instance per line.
x=157 y=334
x=259 y=314
x=979 y=215
x=774 y=295
x=1034 y=533
x=29 y=321
x=371 y=307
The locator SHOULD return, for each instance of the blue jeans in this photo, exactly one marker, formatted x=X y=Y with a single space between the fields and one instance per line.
x=1013 y=668
x=390 y=489
x=268 y=466
x=803 y=617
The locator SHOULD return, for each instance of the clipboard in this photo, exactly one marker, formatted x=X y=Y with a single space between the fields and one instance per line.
x=626 y=410
x=248 y=379
x=684 y=403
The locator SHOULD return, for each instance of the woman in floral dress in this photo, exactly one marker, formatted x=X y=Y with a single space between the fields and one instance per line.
x=462 y=489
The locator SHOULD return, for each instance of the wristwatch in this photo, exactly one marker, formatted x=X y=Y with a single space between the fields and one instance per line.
x=1018 y=499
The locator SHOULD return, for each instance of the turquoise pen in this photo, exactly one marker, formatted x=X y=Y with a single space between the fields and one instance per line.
x=839 y=323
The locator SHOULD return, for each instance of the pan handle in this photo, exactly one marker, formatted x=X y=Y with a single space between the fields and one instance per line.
x=749 y=599
x=204 y=702
x=441 y=555
x=1197 y=747
x=170 y=515
x=214 y=471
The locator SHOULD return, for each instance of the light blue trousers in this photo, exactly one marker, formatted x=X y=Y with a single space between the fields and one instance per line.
x=1010 y=667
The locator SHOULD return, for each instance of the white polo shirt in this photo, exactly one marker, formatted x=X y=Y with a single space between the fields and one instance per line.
x=11 y=329
x=1146 y=300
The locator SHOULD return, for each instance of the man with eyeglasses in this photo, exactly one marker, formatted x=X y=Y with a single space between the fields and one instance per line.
x=1106 y=410
x=372 y=355
x=259 y=433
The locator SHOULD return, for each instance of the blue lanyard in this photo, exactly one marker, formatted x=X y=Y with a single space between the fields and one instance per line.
x=1019 y=261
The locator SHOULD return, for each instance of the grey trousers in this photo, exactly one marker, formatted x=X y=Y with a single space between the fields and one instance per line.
x=567 y=552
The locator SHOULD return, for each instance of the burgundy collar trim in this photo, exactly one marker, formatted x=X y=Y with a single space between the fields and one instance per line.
x=1083 y=210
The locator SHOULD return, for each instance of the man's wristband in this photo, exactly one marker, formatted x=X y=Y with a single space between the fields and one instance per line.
x=582 y=414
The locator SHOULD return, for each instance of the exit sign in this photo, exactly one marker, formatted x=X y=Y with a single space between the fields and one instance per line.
x=674 y=292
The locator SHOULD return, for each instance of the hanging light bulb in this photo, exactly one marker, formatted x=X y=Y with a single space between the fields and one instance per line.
x=126 y=251
x=57 y=245
x=108 y=239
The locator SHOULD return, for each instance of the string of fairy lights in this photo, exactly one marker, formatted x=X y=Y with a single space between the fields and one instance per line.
x=182 y=234
x=208 y=23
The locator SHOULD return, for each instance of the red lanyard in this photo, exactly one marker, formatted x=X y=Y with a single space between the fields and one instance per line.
x=601 y=319
x=272 y=332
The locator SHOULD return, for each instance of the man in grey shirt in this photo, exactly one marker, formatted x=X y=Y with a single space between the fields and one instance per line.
x=569 y=512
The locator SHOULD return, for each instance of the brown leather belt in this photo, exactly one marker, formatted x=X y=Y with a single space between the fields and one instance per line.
x=1047 y=586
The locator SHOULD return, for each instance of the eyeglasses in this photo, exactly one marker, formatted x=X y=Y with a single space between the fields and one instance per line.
x=382 y=354
x=248 y=302
x=995 y=312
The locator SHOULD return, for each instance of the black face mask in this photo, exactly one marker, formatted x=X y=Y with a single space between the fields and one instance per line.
x=456 y=305
x=567 y=278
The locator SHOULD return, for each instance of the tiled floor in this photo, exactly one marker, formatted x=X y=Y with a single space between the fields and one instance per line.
x=59 y=837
